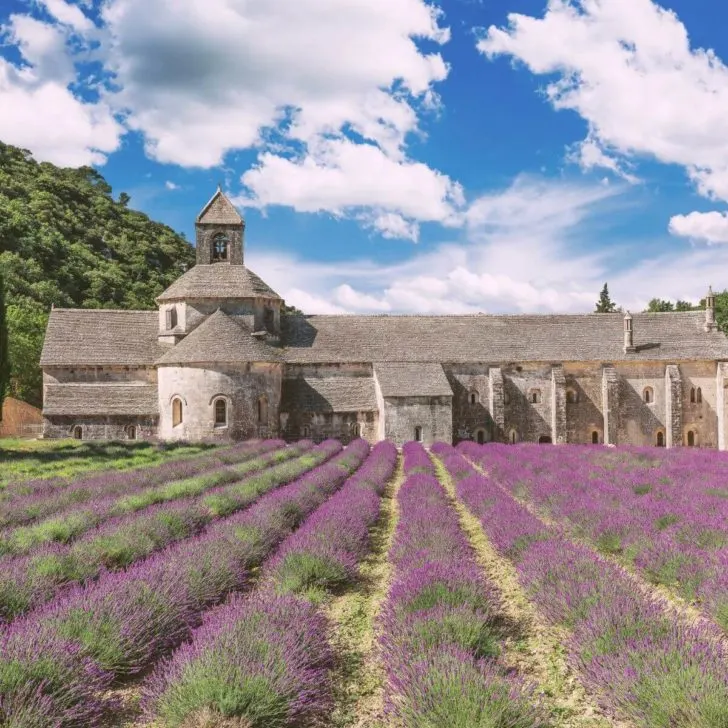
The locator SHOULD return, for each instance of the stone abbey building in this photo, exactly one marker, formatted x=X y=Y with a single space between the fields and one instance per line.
x=221 y=359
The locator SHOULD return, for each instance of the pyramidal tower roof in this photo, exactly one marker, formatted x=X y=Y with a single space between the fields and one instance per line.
x=219 y=211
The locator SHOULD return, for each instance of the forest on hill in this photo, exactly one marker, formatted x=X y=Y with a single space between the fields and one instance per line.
x=65 y=241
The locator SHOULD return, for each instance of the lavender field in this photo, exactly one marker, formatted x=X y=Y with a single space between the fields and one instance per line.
x=267 y=585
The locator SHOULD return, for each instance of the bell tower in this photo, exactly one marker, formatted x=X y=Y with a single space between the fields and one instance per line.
x=219 y=232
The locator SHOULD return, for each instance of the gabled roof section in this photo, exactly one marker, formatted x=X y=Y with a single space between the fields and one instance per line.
x=218 y=280
x=404 y=379
x=101 y=337
x=329 y=394
x=100 y=399
x=219 y=339
x=219 y=211
x=673 y=336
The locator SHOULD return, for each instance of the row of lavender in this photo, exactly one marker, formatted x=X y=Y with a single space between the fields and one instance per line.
x=441 y=628
x=667 y=518
x=56 y=661
x=641 y=661
x=265 y=660
x=26 y=582
x=75 y=520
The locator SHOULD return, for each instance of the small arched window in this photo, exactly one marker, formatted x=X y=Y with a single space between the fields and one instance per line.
x=660 y=439
x=506 y=397
x=131 y=432
x=692 y=395
x=572 y=397
x=647 y=395
x=473 y=397
x=220 y=247
x=356 y=429
x=262 y=411
x=78 y=432
x=176 y=412
x=595 y=437
x=535 y=396
x=221 y=417
x=691 y=438
x=306 y=431
x=418 y=434
x=699 y=395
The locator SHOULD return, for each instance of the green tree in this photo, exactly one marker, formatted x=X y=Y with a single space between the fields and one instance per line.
x=4 y=354
x=687 y=306
x=659 y=305
x=605 y=303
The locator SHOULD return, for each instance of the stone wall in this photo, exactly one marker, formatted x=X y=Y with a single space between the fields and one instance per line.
x=100 y=428
x=403 y=414
x=470 y=418
x=204 y=234
x=584 y=413
x=199 y=386
x=64 y=375
x=527 y=420
x=344 y=426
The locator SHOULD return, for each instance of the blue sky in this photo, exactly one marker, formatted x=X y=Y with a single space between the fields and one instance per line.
x=400 y=155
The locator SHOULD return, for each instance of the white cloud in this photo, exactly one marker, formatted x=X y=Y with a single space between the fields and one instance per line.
x=627 y=68
x=709 y=226
x=171 y=185
x=340 y=176
x=67 y=14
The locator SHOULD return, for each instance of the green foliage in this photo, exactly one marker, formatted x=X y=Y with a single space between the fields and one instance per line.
x=660 y=305
x=65 y=241
x=605 y=303
x=4 y=356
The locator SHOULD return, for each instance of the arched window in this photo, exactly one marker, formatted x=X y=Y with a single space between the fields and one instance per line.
x=506 y=397
x=176 y=412
x=78 y=432
x=647 y=395
x=692 y=395
x=418 y=433
x=535 y=396
x=691 y=438
x=473 y=397
x=572 y=397
x=221 y=416
x=595 y=437
x=220 y=247
x=131 y=432
x=262 y=411
x=513 y=437
x=660 y=439
x=306 y=431
x=356 y=429
x=699 y=395
x=480 y=436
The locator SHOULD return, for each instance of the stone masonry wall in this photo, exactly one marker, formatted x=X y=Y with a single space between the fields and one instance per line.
x=100 y=428
x=404 y=414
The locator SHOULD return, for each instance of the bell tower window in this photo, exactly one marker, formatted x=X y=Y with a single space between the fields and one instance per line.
x=220 y=247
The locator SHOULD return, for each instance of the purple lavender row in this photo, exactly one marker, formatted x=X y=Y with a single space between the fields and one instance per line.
x=56 y=663
x=72 y=522
x=42 y=502
x=641 y=663
x=440 y=625
x=416 y=460
x=26 y=582
x=290 y=686
x=669 y=522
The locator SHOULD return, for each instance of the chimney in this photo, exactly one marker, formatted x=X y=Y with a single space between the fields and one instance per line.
x=629 y=347
x=710 y=310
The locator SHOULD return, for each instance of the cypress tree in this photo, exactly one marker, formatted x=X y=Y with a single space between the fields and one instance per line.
x=605 y=303
x=4 y=356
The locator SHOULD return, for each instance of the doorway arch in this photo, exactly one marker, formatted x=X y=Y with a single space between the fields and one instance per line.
x=544 y=440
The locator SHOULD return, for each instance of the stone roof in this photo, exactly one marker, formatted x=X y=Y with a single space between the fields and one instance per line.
x=329 y=394
x=218 y=280
x=99 y=337
x=219 y=211
x=403 y=379
x=222 y=340
x=100 y=399
x=488 y=338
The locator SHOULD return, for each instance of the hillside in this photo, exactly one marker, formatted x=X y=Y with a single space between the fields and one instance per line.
x=65 y=241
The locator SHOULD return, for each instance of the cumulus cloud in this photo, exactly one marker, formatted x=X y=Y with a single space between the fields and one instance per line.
x=709 y=226
x=627 y=68
x=171 y=185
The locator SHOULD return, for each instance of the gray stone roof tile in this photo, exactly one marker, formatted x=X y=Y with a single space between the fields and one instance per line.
x=100 y=399
x=329 y=394
x=101 y=337
x=218 y=280
x=404 y=379
x=219 y=339
x=219 y=211
x=488 y=338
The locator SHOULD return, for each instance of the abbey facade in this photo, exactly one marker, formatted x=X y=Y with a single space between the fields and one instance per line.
x=222 y=359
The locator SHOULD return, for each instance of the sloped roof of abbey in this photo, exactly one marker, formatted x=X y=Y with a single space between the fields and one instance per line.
x=501 y=338
x=329 y=394
x=221 y=340
x=405 y=379
x=218 y=280
x=100 y=399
